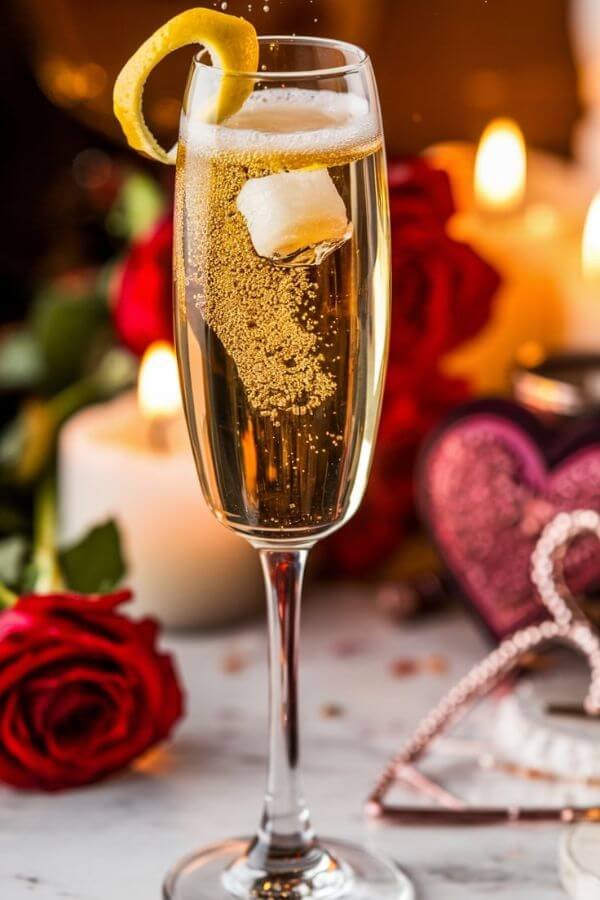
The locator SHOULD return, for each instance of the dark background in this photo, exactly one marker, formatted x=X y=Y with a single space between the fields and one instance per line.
x=443 y=68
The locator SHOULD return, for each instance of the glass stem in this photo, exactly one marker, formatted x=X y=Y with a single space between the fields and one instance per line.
x=285 y=833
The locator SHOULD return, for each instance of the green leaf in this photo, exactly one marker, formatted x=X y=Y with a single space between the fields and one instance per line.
x=21 y=361
x=12 y=558
x=65 y=325
x=138 y=206
x=95 y=564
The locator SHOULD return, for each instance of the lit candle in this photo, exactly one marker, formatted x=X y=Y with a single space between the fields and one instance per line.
x=579 y=326
x=130 y=460
x=517 y=229
x=590 y=247
x=501 y=167
x=585 y=33
x=159 y=395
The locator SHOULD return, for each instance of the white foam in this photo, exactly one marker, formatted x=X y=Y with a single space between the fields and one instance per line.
x=286 y=121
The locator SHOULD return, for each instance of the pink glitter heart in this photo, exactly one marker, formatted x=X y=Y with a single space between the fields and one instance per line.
x=487 y=492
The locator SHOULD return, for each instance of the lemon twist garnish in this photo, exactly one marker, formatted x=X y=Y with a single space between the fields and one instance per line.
x=232 y=44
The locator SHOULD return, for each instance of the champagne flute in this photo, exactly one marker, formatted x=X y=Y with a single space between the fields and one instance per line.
x=282 y=310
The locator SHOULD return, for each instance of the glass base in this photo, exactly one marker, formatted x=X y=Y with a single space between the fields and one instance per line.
x=217 y=873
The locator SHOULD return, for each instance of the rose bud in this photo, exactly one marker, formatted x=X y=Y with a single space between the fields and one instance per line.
x=83 y=690
x=142 y=290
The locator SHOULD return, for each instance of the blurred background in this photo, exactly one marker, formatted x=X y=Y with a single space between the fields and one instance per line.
x=490 y=422
x=485 y=276
x=443 y=69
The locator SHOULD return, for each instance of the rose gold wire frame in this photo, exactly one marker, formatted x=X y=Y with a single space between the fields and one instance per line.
x=567 y=625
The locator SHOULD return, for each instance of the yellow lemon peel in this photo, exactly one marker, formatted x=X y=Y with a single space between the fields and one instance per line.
x=233 y=46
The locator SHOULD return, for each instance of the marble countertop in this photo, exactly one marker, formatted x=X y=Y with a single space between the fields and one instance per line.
x=116 y=840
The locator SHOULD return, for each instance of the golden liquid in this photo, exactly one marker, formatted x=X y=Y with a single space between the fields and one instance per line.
x=282 y=367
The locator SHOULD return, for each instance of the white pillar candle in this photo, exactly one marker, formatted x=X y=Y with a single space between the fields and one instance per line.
x=530 y=240
x=498 y=217
x=580 y=314
x=585 y=29
x=579 y=279
x=519 y=248
x=185 y=568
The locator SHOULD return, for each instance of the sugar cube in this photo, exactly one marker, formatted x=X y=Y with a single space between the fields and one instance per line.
x=292 y=211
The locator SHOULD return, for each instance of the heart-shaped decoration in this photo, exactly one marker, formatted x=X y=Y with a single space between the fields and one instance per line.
x=565 y=624
x=489 y=481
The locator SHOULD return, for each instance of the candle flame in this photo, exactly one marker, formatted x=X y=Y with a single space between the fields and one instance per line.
x=159 y=395
x=501 y=167
x=590 y=247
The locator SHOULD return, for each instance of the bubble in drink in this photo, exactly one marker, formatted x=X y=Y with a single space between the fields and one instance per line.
x=294 y=218
x=224 y=5
x=279 y=358
x=266 y=8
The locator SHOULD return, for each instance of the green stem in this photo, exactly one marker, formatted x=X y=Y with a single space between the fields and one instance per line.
x=73 y=397
x=41 y=422
x=44 y=559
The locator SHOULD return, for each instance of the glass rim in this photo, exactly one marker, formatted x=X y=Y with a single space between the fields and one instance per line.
x=292 y=74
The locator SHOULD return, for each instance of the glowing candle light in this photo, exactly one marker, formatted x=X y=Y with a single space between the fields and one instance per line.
x=501 y=167
x=158 y=382
x=578 y=271
x=523 y=210
x=590 y=247
x=159 y=395
x=507 y=215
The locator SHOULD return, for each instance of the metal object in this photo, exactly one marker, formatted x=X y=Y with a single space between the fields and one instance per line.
x=562 y=386
x=567 y=625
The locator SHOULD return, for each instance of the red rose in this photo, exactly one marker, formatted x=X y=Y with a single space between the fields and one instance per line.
x=83 y=690
x=418 y=192
x=442 y=290
x=142 y=294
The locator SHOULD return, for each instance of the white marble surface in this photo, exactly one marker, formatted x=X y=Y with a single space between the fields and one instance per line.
x=114 y=841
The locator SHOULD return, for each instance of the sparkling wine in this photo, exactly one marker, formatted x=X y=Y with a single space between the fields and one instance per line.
x=282 y=301
x=282 y=295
